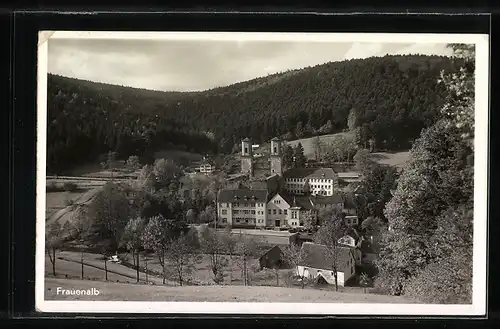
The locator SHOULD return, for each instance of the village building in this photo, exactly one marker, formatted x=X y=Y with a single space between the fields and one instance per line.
x=242 y=207
x=314 y=181
x=206 y=166
x=318 y=264
x=272 y=258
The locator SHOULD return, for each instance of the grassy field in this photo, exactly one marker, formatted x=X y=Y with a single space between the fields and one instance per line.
x=177 y=155
x=55 y=201
x=68 y=265
x=307 y=143
x=110 y=291
x=397 y=159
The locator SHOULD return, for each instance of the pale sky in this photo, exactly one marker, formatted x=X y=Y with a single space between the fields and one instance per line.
x=199 y=65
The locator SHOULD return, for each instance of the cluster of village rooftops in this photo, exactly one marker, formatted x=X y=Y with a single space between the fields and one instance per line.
x=290 y=197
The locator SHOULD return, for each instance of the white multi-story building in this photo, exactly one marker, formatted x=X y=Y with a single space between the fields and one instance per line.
x=242 y=207
x=318 y=181
x=253 y=208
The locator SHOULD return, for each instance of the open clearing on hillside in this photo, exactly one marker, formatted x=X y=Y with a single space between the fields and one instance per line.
x=326 y=140
x=133 y=292
x=397 y=159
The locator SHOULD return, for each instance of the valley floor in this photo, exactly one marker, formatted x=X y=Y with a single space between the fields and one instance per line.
x=111 y=291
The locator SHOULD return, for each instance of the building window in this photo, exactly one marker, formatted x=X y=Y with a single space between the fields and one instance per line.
x=285 y=211
x=224 y=211
x=274 y=211
x=252 y=212
x=269 y=211
x=224 y=220
x=280 y=211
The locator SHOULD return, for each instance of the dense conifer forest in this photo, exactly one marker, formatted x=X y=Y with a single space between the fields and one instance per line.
x=385 y=99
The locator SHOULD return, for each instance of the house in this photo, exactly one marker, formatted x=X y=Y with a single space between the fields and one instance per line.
x=272 y=258
x=316 y=181
x=350 y=176
x=351 y=220
x=318 y=264
x=242 y=207
x=352 y=240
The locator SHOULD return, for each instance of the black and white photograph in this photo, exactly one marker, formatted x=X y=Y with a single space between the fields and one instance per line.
x=262 y=173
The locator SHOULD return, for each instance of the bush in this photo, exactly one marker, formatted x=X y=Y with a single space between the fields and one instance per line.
x=442 y=284
x=70 y=187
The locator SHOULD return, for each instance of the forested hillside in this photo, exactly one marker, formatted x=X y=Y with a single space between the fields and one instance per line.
x=388 y=99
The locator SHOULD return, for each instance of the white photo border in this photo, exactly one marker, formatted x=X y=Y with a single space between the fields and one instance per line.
x=481 y=170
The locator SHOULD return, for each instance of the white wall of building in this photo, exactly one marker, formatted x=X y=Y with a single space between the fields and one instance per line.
x=278 y=209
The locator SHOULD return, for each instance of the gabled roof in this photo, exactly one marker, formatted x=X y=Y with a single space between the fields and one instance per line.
x=284 y=197
x=317 y=256
x=246 y=139
x=275 y=139
x=242 y=195
x=305 y=202
x=327 y=173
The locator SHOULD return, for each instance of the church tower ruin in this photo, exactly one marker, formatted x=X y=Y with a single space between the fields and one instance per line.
x=247 y=157
x=276 y=157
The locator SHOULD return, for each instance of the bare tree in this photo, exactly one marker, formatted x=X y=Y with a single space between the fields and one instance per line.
x=53 y=242
x=81 y=228
x=294 y=256
x=213 y=245
x=332 y=229
x=156 y=237
x=229 y=242
x=318 y=147
x=246 y=248
x=132 y=238
x=182 y=257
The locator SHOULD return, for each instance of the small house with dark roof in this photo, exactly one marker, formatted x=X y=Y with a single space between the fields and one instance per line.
x=315 y=181
x=272 y=258
x=318 y=262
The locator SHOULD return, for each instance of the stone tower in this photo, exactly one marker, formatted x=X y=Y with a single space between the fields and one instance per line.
x=276 y=157
x=246 y=157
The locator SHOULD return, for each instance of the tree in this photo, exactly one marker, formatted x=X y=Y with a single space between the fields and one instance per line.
x=363 y=160
x=427 y=253
x=157 y=236
x=294 y=255
x=53 y=241
x=246 y=248
x=317 y=146
x=288 y=156
x=365 y=281
x=229 y=242
x=182 y=257
x=332 y=229
x=299 y=130
x=307 y=188
x=373 y=226
x=165 y=172
x=208 y=215
x=110 y=210
x=133 y=163
x=299 y=157
x=213 y=245
x=459 y=108
x=81 y=230
x=351 y=120
x=132 y=238
x=110 y=162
